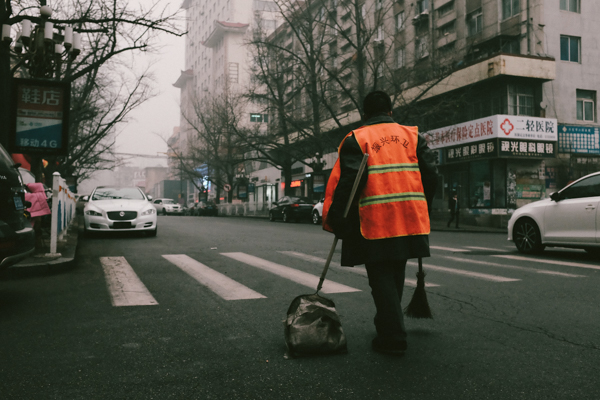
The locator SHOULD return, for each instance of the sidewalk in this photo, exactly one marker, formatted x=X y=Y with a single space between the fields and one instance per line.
x=43 y=263
x=439 y=224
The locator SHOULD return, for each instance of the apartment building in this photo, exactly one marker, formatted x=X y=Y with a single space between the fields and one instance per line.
x=504 y=90
x=216 y=57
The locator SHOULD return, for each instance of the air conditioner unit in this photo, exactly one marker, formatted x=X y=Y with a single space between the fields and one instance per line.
x=426 y=12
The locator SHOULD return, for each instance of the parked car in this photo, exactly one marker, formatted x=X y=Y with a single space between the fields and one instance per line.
x=291 y=208
x=167 y=206
x=206 y=208
x=80 y=203
x=317 y=213
x=569 y=218
x=119 y=209
x=17 y=237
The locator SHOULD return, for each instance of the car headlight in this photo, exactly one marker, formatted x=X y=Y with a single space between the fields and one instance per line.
x=94 y=213
x=149 y=211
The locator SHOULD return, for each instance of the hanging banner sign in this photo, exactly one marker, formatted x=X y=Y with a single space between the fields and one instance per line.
x=40 y=117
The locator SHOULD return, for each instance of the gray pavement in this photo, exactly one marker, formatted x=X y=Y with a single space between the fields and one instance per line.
x=41 y=262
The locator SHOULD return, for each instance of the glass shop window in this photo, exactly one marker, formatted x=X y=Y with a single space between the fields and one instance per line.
x=480 y=184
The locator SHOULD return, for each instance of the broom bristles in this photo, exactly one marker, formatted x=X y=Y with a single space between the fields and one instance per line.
x=418 y=306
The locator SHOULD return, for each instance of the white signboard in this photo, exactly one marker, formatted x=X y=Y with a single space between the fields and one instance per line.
x=496 y=126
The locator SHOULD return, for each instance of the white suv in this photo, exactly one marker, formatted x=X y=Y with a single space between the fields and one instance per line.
x=167 y=206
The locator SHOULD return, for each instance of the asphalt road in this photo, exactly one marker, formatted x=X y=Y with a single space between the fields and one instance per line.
x=504 y=327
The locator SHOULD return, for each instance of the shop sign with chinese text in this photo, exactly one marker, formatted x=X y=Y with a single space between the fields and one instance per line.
x=472 y=151
x=40 y=117
x=578 y=139
x=494 y=127
x=526 y=148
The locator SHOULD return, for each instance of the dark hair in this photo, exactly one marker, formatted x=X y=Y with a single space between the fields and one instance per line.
x=377 y=103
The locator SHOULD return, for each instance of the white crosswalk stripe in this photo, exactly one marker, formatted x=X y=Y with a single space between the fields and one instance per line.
x=124 y=286
x=356 y=270
x=303 y=278
x=220 y=284
x=533 y=270
x=546 y=261
x=455 y=250
x=486 y=249
x=470 y=274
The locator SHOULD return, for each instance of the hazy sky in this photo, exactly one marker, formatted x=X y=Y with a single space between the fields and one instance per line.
x=160 y=114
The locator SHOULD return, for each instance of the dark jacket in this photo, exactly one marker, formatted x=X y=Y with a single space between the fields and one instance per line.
x=357 y=250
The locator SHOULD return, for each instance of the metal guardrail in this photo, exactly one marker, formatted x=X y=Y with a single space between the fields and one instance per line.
x=245 y=209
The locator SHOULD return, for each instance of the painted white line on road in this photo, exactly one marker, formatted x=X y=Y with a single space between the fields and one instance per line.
x=124 y=286
x=303 y=278
x=486 y=248
x=355 y=269
x=491 y=264
x=448 y=249
x=470 y=274
x=565 y=263
x=222 y=285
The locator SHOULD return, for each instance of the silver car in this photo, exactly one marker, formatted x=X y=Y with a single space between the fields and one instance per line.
x=167 y=206
x=119 y=209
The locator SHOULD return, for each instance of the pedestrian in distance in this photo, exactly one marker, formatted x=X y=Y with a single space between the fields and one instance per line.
x=454 y=208
x=388 y=222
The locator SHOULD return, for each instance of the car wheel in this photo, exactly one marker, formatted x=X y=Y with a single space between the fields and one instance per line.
x=315 y=218
x=271 y=216
x=526 y=235
x=164 y=211
x=286 y=216
x=153 y=233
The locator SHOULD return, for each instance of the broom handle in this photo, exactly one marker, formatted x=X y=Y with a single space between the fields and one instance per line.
x=361 y=169
x=420 y=264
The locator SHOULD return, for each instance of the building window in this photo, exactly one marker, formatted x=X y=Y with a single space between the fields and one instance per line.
x=421 y=50
x=475 y=22
x=379 y=71
x=259 y=117
x=379 y=4
x=447 y=29
x=234 y=69
x=520 y=100
x=380 y=33
x=586 y=105
x=400 y=21
x=399 y=58
x=570 y=48
x=445 y=9
x=422 y=6
x=510 y=8
x=570 y=5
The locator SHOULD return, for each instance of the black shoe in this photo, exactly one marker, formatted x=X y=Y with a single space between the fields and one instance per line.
x=388 y=347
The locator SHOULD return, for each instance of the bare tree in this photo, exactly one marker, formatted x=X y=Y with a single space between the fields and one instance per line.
x=103 y=95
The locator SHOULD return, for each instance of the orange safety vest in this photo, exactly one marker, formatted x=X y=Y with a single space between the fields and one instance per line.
x=393 y=203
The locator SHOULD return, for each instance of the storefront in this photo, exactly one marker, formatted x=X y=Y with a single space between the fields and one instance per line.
x=495 y=165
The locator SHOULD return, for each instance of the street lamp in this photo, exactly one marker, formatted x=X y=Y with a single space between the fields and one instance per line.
x=39 y=47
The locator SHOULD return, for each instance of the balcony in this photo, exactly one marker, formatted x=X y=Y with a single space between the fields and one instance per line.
x=538 y=68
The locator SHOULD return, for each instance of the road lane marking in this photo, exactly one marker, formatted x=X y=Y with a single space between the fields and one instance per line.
x=222 y=285
x=355 y=269
x=470 y=274
x=491 y=264
x=449 y=249
x=124 y=286
x=303 y=278
x=565 y=263
x=486 y=248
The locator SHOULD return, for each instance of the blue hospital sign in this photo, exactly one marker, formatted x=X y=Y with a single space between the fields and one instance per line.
x=40 y=111
x=578 y=139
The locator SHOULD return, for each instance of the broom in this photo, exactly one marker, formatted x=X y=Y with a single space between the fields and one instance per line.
x=363 y=164
x=418 y=306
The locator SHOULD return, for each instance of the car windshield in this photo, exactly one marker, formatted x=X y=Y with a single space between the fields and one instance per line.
x=111 y=193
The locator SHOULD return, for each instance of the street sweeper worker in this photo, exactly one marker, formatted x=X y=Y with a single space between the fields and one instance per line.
x=388 y=222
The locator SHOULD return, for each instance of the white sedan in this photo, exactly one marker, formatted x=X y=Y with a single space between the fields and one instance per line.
x=119 y=209
x=569 y=218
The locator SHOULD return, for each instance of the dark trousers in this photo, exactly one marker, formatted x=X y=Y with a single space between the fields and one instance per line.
x=453 y=214
x=387 y=283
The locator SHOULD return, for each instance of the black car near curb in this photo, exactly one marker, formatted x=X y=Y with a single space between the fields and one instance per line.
x=17 y=237
x=291 y=208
